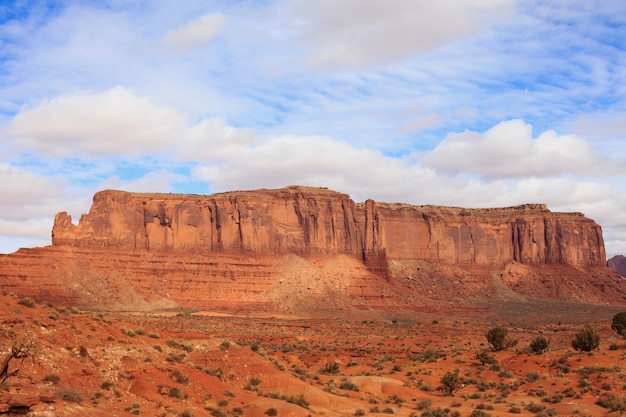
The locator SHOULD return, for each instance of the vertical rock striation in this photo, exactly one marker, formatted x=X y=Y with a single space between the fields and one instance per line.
x=315 y=221
x=308 y=248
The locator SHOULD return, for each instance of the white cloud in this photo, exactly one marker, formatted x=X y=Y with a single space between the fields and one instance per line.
x=213 y=139
x=25 y=194
x=364 y=32
x=159 y=181
x=509 y=150
x=195 y=32
x=113 y=122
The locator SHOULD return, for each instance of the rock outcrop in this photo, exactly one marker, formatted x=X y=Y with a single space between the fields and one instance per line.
x=299 y=246
x=618 y=264
x=311 y=222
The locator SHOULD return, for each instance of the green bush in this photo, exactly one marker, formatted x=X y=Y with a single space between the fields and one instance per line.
x=497 y=338
x=450 y=382
x=619 y=323
x=539 y=344
x=586 y=340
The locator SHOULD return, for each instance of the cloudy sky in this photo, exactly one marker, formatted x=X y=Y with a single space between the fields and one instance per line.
x=472 y=103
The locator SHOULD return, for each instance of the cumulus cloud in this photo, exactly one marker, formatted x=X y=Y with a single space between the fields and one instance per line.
x=364 y=32
x=113 y=122
x=213 y=139
x=509 y=150
x=195 y=32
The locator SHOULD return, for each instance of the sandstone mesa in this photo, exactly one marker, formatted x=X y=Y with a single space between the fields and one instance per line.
x=304 y=250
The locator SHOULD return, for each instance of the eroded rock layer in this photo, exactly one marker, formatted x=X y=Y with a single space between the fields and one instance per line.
x=301 y=247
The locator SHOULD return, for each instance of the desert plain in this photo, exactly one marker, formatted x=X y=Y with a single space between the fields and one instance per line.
x=357 y=363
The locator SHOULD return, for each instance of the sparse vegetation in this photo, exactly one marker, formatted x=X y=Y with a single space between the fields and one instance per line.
x=498 y=338
x=613 y=402
x=70 y=394
x=586 y=340
x=330 y=368
x=618 y=324
x=179 y=377
x=450 y=382
x=539 y=345
x=54 y=378
x=26 y=302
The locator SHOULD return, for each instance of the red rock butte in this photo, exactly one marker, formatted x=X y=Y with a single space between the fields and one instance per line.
x=303 y=250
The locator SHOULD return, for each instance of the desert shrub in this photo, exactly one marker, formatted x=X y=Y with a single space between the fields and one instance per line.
x=222 y=403
x=485 y=358
x=436 y=412
x=497 y=338
x=423 y=404
x=83 y=351
x=539 y=344
x=613 y=402
x=348 y=385
x=299 y=400
x=66 y=393
x=26 y=302
x=217 y=372
x=178 y=345
x=106 y=385
x=179 y=377
x=479 y=413
x=54 y=378
x=186 y=413
x=271 y=412
x=450 y=382
x=619 y=323
x=175 y=392
x=534 y=407
x=515 y=410
x=586 y=340
x=548 y=412
x=330 y=368
x=254 y=381
x=388 y=410
x=532 y=376
x=428 y=355
x=225 y=345
x=140 y=331
x=556 y=398
x=424 y=386
x=216 y=412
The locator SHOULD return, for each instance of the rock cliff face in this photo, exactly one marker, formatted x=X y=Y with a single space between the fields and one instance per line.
x=618 y=264
x=298 y=246
x=313 y=221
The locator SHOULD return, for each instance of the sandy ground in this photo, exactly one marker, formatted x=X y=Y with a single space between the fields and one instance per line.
x=361 y=363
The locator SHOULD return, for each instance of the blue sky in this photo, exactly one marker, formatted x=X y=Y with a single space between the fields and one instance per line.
x=473 y=103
